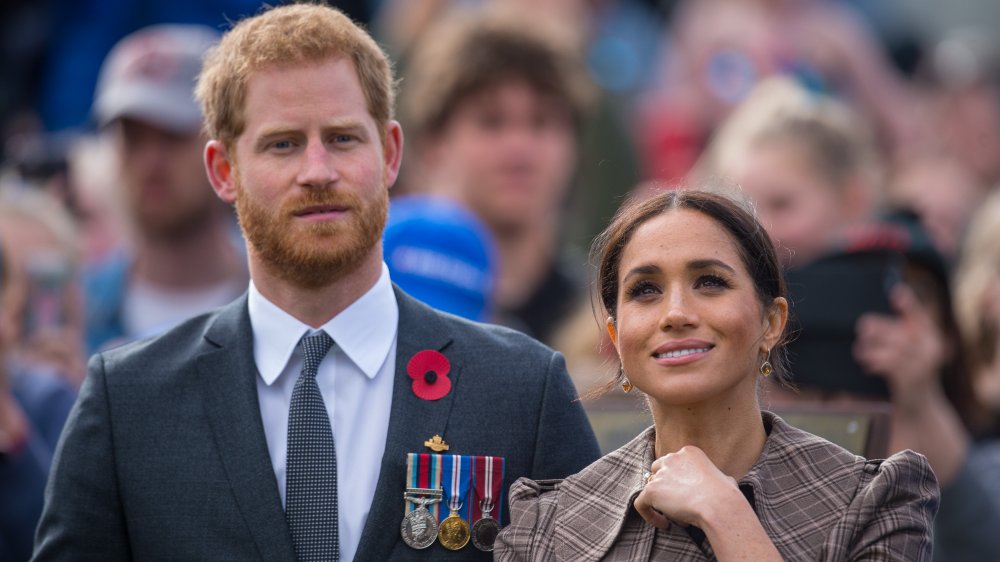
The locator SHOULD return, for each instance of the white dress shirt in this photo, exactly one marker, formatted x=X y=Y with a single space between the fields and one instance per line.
x=355 y=378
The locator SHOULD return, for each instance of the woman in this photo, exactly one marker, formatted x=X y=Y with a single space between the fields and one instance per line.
x=808 y=161
x=696 y=310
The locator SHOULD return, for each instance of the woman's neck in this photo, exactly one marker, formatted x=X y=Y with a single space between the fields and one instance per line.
x=731 y=435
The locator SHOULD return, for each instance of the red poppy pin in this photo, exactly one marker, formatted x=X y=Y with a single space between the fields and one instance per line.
x=429 y=371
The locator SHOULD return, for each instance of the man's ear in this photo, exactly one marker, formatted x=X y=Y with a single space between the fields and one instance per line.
x=221 y=169
x=392 y=152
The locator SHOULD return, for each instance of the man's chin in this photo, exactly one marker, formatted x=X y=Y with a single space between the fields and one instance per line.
x=314 y=261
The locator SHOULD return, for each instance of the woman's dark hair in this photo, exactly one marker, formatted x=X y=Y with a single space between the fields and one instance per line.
x=753 y=245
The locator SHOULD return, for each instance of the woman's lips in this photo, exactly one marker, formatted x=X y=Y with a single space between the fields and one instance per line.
x=682 y=352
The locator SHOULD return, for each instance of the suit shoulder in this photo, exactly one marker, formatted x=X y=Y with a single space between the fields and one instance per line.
x=496 y=336
x=181 y=342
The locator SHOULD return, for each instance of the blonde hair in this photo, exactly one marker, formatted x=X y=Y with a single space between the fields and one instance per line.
x=293 y=34
x=39 y=207
x=978 y=270
x=837 y=142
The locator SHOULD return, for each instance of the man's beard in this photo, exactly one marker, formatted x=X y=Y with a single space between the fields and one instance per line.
x=312 y=255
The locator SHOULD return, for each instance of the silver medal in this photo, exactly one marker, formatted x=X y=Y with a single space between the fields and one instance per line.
x=419 y=528
x=484 y=533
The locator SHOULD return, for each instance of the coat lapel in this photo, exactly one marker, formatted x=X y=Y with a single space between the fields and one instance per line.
x=234 y=414
x=411 y=422
x=594 y=503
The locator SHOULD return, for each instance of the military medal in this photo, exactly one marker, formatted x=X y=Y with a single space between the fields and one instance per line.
x=489 y=476
x=484 y=532
x=419 y=528
x=454 y=532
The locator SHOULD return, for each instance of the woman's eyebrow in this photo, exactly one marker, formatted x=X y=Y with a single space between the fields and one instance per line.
x=708 y=263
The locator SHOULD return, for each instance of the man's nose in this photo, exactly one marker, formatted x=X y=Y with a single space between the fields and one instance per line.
x=318 y=166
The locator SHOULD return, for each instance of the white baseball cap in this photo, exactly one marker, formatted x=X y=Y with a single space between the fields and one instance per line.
x=150 y=76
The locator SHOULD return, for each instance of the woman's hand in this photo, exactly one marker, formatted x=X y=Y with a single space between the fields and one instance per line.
x=684 y=487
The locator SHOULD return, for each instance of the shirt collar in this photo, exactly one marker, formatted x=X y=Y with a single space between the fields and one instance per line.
x=364 y=331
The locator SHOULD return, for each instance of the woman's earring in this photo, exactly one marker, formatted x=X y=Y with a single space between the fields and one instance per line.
x=766 y=368
x=626 y=385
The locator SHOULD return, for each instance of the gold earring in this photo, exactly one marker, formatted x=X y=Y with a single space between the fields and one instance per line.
x=766 y=368
x=626 y=385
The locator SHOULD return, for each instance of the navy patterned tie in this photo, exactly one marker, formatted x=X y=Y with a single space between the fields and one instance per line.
x=311 y=476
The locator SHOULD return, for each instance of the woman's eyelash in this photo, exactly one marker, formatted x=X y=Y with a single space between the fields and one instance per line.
x=713 y=280
x=640 y=288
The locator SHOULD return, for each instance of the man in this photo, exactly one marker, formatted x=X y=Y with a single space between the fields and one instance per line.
x=183 y=260
x=189 y=446
x=495 y=106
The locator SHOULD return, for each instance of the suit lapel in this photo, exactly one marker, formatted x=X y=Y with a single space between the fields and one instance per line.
x=234 y=414
x=411 y=422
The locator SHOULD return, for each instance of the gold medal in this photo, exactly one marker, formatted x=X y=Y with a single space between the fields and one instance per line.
x=454 y=532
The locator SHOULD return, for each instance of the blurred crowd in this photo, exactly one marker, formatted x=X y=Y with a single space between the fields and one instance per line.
x=871 y=151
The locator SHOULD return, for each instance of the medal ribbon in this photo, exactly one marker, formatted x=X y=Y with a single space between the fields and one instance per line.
x=457 y=475
x=489 y=473
x=423 y=470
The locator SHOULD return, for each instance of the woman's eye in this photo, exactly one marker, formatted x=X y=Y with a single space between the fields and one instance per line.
x=712 y=282
x=642 y=288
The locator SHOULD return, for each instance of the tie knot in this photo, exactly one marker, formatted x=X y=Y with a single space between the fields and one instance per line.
x=314 y=349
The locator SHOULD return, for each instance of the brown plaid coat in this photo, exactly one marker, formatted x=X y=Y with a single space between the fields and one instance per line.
x=815 y=500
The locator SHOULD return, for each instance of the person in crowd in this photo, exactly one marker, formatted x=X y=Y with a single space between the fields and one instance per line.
x=43 y=243
x=441 y=254
x=185 y=257
x=495 y=104
x=976 y=491
x=942 y=192
x=34 y=405
x=806 y=161
x=720 y=50
x=916 y=350
x=977 y=300
x=696 y=307
x=223 y=436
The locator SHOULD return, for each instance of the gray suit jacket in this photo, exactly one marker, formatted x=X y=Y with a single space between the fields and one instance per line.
x=164 y=454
